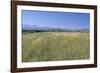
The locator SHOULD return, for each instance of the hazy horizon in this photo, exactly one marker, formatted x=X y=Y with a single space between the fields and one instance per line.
x=66 y=20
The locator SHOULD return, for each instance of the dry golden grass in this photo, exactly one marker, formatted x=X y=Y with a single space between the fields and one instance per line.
x=54 y=46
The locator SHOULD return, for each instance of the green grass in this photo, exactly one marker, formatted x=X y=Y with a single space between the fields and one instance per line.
x=55 y=46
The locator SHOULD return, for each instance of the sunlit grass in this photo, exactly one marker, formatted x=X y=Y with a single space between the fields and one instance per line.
x=55 y=46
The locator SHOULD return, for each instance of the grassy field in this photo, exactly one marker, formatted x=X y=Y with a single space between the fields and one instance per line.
x=55 y=46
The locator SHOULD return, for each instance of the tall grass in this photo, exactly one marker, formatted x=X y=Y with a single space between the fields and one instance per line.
x=55 y=46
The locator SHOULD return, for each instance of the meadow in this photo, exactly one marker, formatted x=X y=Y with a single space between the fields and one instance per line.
x=55 y=46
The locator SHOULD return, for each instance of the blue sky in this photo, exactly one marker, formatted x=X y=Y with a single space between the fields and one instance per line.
x=69 y=20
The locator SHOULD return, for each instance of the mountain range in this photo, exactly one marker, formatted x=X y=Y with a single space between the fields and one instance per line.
x=45 y=28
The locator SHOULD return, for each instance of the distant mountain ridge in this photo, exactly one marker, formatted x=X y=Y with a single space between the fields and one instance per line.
x=44 y=28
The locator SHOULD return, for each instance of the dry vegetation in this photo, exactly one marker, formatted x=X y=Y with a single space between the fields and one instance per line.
x=54 y=46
